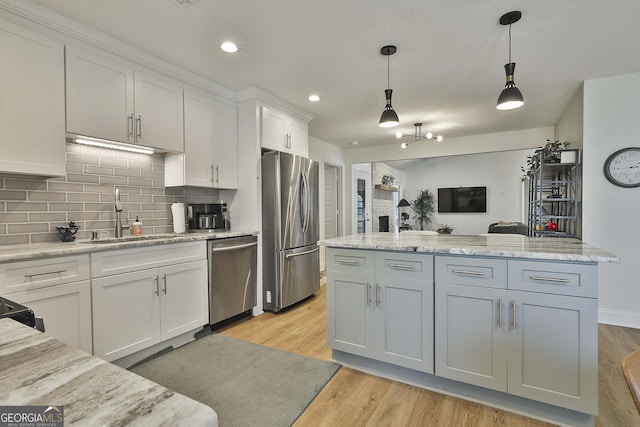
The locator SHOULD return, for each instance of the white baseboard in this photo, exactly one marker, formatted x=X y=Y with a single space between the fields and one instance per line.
x=629 y=319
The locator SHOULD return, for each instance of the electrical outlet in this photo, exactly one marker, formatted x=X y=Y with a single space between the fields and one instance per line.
x=269 y=297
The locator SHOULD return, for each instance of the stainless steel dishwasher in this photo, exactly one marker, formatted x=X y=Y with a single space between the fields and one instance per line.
x=232 y=276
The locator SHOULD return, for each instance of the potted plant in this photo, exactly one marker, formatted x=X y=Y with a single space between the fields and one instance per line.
x=445 y=229
x=423 y=207
x=550 y=153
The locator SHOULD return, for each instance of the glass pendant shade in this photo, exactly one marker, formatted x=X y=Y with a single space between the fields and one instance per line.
x=389 y=118
x=510 y=97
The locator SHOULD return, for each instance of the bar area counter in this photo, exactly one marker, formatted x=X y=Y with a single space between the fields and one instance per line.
x=508 y=321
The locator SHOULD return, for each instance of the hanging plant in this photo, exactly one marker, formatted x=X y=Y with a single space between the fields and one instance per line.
x=423 y=207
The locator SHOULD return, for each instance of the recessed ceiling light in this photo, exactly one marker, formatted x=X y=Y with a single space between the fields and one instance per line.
x=355 y=143
x=229 y=47
x=314 y=98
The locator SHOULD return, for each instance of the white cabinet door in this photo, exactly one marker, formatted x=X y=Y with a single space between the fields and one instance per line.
x=32 y=136
x=184 y=298
x=298 y=132
x=99 y=95
x=126 y=313
x=272 y=127
x=158 y=111
x=225 y=152
x=65 y=309
x=405 y=323
x=553 y=352
x=470 y=341
x=350 y=313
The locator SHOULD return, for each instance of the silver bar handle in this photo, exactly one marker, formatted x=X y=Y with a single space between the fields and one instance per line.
x=368 y=294
x=347 y=261
x=233 y=248
x=549 y=279
x=29 y=276
x=213 y=176
x=157 y=290
x=217 y=173
x=468 y=272
x=402 y=266
x=130 y=125
x=302 y=253
x=164 y=278
x=500 y=313
x=139 y=126
x=513 y=314
x=377 y=294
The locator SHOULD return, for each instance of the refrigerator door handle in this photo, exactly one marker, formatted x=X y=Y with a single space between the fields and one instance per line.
x=302 y=253
x=305 y=200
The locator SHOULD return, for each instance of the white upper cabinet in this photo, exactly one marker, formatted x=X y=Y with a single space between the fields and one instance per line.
x=282 y=132
x=110 y=98
x=210 y=157
x=32 y=139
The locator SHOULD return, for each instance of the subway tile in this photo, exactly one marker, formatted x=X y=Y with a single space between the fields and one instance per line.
x=14 y=239
x=74 y=148
x=72 y=177
x=63 y=186
x=98 y=225
x=32 y=227
x=50 y=196
x=82 y=159
x=74 y=168
x=126 y=155
x=45 y=238
x=163 y=214
x=152 y=190
x=107 y=215
x=129 y=190
x=65 y=207
x=100 y=188
x=139 y=198
x=97 y=170
x=134 y=173
x=24 y=184
x=98 y=207
x=153 y=206
x=113 y=162
x=83 y=216
x=115 y=180
x=140 y=166
x=158 y=183
x=98 y=151
x=153 y=175
x=26 y=206
x=136 y=182
x=83 y=197
x=13 y=195
x=13 y=217
x=154 y=223
x=48 y=216
x=163 y=199
x=158 y=167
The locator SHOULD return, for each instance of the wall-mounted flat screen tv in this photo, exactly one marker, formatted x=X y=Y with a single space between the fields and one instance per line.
x=462 y=199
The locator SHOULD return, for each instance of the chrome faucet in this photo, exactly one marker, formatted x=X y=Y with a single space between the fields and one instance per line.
x=118 y=207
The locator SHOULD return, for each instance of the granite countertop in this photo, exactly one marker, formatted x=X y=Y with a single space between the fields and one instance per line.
x=498 y=245
x=38 y=250
x=38 y=370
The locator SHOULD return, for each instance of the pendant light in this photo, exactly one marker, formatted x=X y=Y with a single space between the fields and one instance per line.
x=510 y=97
x=389 y=118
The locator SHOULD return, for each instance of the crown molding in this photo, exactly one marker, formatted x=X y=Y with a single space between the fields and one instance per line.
x=264 y=97
x=70 y=29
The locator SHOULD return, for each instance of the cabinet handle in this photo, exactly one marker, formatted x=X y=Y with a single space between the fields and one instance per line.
x=513 y=314
x=348 y=262
x=469 y=272
x=290 y=145
x=213 y=176
x=402 y=266
x=130 y=125
x=368 y=294
x=164 y=279
x=549 y=279
x=500 y=313
x=139 y=126
x=157 y=291
x=377 y=295
x=217 y=173
x=29 y=276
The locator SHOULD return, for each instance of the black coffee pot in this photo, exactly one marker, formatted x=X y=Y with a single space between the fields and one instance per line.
x=67 y=234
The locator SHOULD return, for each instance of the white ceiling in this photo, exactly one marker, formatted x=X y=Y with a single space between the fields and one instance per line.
x=447 y=73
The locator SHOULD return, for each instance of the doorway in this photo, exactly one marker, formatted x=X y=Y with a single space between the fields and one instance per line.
x=332 y=211
x=361 y=201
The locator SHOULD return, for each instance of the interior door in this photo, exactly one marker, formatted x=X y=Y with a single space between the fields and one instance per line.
x=361 y=202
x=330 y=202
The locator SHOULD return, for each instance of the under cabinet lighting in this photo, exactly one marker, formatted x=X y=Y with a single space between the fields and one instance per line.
x=97 y=142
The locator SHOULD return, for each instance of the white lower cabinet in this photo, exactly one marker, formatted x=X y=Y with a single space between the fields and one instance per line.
x=136 y=307
x=530 y=344
x=387 y=316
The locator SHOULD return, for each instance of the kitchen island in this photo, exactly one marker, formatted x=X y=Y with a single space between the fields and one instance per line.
x=38 y=370
x=507 y=321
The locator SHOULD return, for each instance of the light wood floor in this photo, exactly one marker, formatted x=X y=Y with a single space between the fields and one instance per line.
x=353 y=398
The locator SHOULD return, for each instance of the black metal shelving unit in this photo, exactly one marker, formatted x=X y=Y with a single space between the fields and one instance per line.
x=553 y=197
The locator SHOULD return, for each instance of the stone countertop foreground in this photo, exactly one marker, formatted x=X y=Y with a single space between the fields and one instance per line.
x=39 y=250
x=496 y=245
x=38 y=370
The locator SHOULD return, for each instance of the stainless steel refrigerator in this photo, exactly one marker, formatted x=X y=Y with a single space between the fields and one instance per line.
x=290 y=229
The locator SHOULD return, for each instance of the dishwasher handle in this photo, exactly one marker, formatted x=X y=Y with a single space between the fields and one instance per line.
x=233 y=248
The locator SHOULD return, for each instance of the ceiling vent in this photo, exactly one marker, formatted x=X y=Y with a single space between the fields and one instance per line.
x=183 y=3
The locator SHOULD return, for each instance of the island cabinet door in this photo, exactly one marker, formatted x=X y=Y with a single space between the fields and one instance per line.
x=471 y=335
x=404 y=323
x=350 y=313
x=553 y=351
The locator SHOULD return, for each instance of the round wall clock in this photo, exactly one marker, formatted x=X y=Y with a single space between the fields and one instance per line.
x=622 y=168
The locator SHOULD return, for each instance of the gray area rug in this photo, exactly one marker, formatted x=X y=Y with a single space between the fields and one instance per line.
x=246 y=384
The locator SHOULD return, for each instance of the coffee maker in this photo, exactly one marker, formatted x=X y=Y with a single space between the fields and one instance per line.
x=208 y=217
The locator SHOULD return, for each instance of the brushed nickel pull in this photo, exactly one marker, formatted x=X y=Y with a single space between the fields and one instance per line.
x=213 y=176
x=377 y=295
x=368 y=294
x=513 y=314
x=157 y=291
x=347 y=261
x=164 y=278
x=139 y=126
x=549 y=279
x=500 y=313
x=29 y=276
x=217 y=173
x=402 y=266
x=468 y=272
x=130 y=125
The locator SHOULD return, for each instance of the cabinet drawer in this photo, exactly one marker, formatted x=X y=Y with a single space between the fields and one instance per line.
x=405 y=265
x=489 y=272
x=554 y=278
x=350 y=260
x=125 y=260
x=33 y=274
